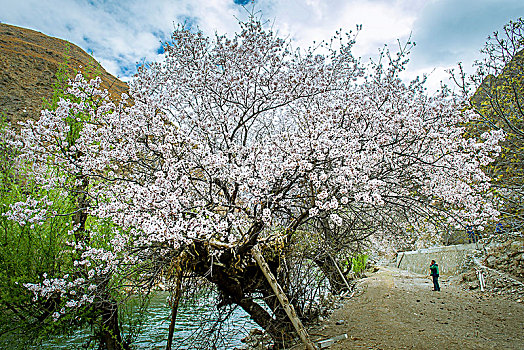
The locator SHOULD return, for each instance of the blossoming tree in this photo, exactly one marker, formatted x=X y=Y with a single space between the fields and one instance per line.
x=232 y=143
x=495 y=92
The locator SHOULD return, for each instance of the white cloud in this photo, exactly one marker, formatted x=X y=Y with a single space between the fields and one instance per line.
x=118 y=33
x=122 y=33
x=313 y=20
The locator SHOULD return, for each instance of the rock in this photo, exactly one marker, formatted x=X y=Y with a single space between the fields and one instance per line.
x=473 y=285
x=256 y=340
x=517 y=246
x=469 y=276
x=340 y=322
x=506 y=254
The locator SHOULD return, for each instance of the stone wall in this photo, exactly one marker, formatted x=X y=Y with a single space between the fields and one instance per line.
x=506 y=254
x=448 y=258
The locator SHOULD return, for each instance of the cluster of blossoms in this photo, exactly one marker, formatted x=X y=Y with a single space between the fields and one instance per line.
x=76 y=291
x=52 y=286
x=92 y=267
x=29 y=212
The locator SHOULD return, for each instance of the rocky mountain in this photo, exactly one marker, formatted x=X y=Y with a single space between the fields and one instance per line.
x=29 y=61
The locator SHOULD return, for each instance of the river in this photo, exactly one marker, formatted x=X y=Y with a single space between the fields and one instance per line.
x=192 y=327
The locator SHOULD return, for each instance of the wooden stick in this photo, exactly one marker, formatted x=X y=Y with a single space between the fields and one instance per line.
x=340 y=272
x=480 y=275
x=400 y=261
x=290 y=311
x=174 y=309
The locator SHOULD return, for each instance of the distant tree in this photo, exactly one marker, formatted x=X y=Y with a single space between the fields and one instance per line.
x=496 y=94
x=232 y=143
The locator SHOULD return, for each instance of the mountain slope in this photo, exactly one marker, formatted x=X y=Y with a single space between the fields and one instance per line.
x=29 y=61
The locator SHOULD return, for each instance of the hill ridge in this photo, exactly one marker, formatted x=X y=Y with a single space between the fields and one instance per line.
x=29 y=61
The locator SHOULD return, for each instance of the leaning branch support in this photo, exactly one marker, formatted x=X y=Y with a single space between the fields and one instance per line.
x=290 y=311
x=340 y=272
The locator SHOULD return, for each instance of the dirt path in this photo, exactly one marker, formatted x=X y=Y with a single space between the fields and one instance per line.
x=395 y=309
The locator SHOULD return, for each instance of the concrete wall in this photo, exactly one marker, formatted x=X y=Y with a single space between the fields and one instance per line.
x=448 y=258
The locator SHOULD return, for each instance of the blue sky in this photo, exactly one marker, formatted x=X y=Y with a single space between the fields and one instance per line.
x=121 y=33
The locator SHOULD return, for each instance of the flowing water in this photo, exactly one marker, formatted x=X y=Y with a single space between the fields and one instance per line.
x=192 y=328
x=199 y=325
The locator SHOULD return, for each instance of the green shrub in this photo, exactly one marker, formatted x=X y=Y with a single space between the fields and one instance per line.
x=359 y=263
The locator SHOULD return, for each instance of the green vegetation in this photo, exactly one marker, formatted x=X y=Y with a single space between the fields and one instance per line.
x=28 y=251
x=39 y=228
x=359 y=263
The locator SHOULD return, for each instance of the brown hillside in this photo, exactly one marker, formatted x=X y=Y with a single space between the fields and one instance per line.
x=29 y=61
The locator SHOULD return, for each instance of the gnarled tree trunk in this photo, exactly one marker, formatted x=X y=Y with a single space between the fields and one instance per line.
x=240 y=287
x=337 y=282
x=109 y=332
x=109 y=336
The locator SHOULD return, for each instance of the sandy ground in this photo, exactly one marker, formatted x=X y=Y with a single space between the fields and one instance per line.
x=395 y=309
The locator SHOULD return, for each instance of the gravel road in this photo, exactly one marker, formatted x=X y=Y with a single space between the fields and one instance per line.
x=395 y=309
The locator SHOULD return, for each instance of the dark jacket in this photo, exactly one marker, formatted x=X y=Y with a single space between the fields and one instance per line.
x=434 y=269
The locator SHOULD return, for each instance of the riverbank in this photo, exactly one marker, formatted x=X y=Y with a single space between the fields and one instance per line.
x=395 y=309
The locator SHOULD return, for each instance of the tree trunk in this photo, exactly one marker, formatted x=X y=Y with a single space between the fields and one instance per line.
x=109 y=332
x=280 y=335
x=280 y=329
x=174 y=309
x=109 y=336
x=238 y=287
x=336 y=282
x=282 y=298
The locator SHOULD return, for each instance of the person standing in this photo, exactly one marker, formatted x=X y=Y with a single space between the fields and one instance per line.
x=470 y=233
x=434 y=273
